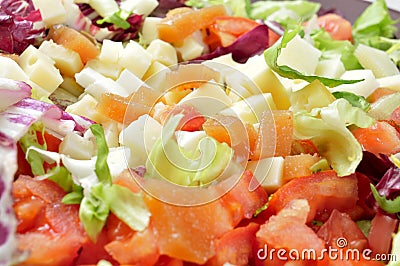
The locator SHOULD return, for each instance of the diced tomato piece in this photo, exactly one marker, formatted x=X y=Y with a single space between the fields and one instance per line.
x=340 y=226
x=245 y=198
x=288 y=231
x=168 y=261
x=92 y=253
x=379 y=138
x=126 y=179
x=181 y=22
x=324 y=191
x=189 y=233
x=192 y=119
x=74 y=40
x=236 y=246
x=305 y=146
x=140 y=249
x=298 y=165
x=55 y=233
x=380 y=234
x=226 y=29
x=273 y=37
x=338 y=27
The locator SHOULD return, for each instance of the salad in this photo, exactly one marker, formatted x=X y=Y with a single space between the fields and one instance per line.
x=198 y=133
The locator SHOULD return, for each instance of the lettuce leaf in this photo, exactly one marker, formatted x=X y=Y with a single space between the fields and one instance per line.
x=102 y=170
x=284 y=12
x=354 y=99
x=327 y=128
x=374 y=21
x=332 y=48
x=31 y=139
x=240 y=8
x=271 y=58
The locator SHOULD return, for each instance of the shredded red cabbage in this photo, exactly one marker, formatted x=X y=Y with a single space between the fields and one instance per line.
x=16 y=25
x=249 y=44
x=166 y=5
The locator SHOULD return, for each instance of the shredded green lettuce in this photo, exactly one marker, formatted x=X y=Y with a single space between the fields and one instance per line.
x=354 y=99
x=118 y=19
x=287 y=13
x=390 y=206
x=30 y=139
x=374 y=21
x=62 y=177
x=188 y=168
x=102 y=170
x=240 y=8
x=327 y=128
x=93 y=213
x=271 y=58
x=331 y=48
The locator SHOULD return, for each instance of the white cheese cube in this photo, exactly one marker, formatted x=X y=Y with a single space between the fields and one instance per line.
x=86 y=107
x=104 y=8
x=105 y=85
x=149 y=29
x=163 y=52
x=208 y=99
x=330 y=68
x=129 y=81
x=141 y=7
x=40 y=69
x=300 y=55
x=391 y=82
x=88 y=76
x=69 y=84
x=140 y=137
x=110 y=70
x=52 y=11
x=269 y=172
x=10 y=69
x=67 y=61
x=250 y=110
x=363 y=88
x=190 y=48
x=156 y=75
x=110 y=51
x=135 y=58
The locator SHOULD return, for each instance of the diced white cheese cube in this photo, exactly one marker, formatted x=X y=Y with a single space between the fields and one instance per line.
x=88 y=76
x=104 y=8
x=300 y=55
x=141 y=7
x=10 y=69
x=77 y=147
x=189 y=140
x=110 y=51
x=149 y=29
x=40 y=69
x=156 y=75
x=67 y=61
x=105 y=85
x=330 y=68
x=51 y=11
x=250 y=110
x=69 y=84
x=135 y=58
x=376 y=60
x=208 y=99
x=140 y=137
x=190 y=48
x=86 y=107
x=129 y=81
x=391 y=82
x=363 y=88
x=110 y=70
x=163 y=52
x=269 y=172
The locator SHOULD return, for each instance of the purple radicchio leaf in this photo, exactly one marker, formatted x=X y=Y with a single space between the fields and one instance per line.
x=373 y=166
x=17 y=31
x=166 y=5
x=251 y=43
